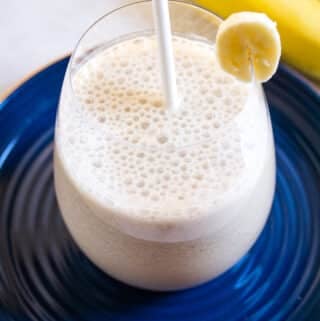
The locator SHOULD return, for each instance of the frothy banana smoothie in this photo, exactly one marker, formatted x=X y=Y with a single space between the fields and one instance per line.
x=162 y=199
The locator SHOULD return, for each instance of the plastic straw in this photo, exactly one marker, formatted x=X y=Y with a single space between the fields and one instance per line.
x=163 y=30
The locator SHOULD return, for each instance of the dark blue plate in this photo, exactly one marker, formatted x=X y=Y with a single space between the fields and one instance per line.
x=44 y=276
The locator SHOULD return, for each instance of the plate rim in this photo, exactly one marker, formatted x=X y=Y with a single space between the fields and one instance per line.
x=14 y=87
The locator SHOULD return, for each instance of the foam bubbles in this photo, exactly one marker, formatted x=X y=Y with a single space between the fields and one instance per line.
x=127 y=147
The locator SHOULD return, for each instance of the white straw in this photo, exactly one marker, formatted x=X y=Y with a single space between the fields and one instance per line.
x=163 y=30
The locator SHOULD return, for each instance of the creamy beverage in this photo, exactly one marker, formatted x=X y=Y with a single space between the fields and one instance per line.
x=162 y=199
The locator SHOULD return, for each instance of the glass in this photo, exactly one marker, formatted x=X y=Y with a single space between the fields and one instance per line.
x=157 y=199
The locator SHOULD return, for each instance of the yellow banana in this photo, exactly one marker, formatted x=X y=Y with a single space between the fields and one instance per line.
x=298 y=22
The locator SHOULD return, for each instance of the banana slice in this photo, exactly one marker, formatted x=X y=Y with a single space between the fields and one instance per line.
x=248 y=45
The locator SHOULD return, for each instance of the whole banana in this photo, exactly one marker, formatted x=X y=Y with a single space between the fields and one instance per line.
x=298 y=22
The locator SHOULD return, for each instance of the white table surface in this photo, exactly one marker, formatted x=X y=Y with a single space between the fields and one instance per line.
x=35 y=32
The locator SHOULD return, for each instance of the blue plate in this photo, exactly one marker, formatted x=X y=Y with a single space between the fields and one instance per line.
x=44 y=276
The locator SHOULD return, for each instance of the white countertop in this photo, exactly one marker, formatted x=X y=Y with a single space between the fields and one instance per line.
x=35 y=32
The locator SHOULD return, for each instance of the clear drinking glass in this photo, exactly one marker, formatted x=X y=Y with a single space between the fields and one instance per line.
x=165 y=208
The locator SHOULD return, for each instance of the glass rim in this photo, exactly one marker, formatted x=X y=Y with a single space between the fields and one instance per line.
x=128 y=5
x=110 y=13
